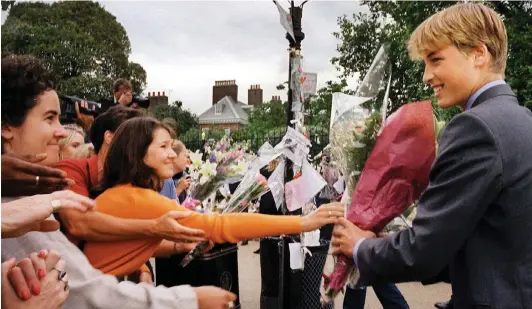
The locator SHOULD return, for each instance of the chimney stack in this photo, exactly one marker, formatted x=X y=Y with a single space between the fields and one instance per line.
x=157 y=99
x=223 y=88
x=255 y=95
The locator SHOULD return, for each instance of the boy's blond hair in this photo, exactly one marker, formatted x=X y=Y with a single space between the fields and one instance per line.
x=465 y=26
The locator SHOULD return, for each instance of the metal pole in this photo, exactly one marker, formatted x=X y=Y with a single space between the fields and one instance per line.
x=289 y=171
x=285 y=300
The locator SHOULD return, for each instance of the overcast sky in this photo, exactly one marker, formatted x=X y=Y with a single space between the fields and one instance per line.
x=185 y=46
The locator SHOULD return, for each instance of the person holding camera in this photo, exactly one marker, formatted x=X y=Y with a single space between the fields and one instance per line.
x=122 y=94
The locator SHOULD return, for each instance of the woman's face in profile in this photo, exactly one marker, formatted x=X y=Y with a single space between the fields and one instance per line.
x=40 y=132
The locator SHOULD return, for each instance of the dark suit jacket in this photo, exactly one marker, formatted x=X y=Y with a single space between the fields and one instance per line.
x=476 y=214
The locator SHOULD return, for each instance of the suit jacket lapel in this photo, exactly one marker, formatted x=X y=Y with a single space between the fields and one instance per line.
x=492 y=92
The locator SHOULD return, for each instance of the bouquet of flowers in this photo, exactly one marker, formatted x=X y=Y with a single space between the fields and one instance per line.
x=210 y=176
x=252 y=187
x=386 y=161
x=355 y=123
x=393 y=177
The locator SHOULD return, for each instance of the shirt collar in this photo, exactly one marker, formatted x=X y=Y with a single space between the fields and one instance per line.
x=477 y=93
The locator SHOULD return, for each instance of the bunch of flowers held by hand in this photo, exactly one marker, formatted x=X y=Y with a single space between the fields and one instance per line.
x=252 y=187
x=394 y=176
x=211 y=176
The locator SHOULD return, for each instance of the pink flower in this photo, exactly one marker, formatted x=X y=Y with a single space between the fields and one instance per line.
x=235 y=154
x=262 y=180
x=190 y=203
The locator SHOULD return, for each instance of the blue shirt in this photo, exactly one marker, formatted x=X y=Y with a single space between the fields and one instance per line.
x=469 y=104
x=169 y=189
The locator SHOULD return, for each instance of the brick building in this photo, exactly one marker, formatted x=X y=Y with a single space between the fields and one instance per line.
x=226 y=112
x=157 y=98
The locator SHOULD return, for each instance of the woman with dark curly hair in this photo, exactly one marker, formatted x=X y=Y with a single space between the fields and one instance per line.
x=30 y=109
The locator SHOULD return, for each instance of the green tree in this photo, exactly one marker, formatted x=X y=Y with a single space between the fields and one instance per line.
x=393 y=21
x=267 y=116
x=137 y=75
x=184 y=118
x=85 y=46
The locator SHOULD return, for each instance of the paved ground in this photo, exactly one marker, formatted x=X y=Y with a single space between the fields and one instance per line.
x=417 y=295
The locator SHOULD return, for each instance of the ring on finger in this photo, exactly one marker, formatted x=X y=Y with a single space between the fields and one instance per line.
x=60 y=273
x=65 y=281
x=36 y=181
x=330 y=213
x=56 y=205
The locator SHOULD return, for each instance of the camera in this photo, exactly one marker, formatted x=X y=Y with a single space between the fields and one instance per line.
x=140 y=101
x=68 y=108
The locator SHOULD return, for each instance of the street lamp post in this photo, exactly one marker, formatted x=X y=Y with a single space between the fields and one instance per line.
x=285 y=299
x=294 y=51
x=296 y=13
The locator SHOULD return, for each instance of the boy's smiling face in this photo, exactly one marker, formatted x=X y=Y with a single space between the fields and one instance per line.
x=454 y=75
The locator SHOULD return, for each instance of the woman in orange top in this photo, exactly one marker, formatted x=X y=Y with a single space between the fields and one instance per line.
x=140 y=157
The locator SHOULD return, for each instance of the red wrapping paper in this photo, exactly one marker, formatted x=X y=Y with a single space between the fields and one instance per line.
x=394 y=176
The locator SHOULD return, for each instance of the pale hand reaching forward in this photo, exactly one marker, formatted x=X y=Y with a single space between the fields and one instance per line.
x=31 y=213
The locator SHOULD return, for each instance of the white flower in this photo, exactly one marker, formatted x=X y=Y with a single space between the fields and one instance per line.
x=207 y=170
x=242 y=166
x=195 y=159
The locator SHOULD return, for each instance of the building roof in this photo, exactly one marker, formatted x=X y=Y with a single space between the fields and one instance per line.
x=226 y=110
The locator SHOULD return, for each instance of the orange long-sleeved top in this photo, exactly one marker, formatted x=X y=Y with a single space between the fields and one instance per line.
x=120 y=258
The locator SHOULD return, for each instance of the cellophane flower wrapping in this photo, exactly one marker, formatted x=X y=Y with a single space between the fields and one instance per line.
x=394 y=176
x=252 y=187
x=355 y=123
x=211 y=176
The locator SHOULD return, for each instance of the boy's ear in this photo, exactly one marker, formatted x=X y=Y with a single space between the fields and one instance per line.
x=481 y=55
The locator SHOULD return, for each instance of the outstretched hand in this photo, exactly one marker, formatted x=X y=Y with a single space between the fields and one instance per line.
x=325 y=214
x=19 y=176
x=31 y=213
x=168 y=228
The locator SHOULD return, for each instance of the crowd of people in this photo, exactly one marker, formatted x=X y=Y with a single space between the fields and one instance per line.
x=80 y=221
x=78 y=232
